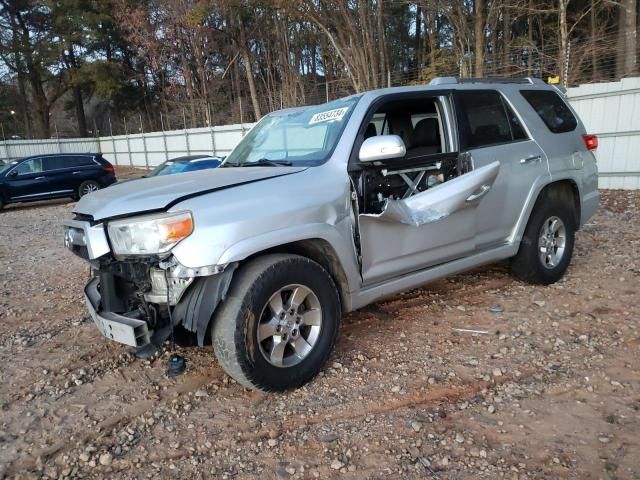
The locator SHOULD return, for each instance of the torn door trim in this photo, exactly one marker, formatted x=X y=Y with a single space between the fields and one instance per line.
x=441 y=201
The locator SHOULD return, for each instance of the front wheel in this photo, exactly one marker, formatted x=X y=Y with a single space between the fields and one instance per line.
x=278 y=324
x=547 y=245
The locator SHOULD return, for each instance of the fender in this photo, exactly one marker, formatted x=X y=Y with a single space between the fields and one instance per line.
x=534 y=193
x=334 y=235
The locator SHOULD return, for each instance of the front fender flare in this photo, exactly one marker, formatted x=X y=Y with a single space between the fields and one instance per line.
x=338 y=236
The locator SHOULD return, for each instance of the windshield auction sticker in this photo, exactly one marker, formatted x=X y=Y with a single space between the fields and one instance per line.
x=329 y=115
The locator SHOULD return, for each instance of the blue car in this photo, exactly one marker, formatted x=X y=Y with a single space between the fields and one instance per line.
x=188 y=163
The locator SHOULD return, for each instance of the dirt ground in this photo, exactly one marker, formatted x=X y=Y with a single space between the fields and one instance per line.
x=552 y=390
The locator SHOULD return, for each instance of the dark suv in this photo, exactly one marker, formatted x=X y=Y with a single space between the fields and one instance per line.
x=44 y=177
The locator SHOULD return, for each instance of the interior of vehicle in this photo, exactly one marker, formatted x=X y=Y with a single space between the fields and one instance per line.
x=427 y=163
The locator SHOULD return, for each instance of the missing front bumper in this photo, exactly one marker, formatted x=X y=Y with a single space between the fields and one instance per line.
x=130 y=331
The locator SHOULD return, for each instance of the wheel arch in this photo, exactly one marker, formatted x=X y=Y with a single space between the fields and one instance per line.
x=566 y=189
x=320 y=251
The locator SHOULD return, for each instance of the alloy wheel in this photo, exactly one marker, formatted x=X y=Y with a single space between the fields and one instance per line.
x=289 y=325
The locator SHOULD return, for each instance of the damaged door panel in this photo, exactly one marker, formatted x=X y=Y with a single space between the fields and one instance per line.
x=424 y=229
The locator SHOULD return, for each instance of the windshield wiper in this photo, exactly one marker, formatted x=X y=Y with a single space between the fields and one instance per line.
x=265 y=162
x=230 y=164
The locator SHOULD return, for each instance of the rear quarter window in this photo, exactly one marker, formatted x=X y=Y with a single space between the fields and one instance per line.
x=552 y=109
x=483 y=118
x=81 y=161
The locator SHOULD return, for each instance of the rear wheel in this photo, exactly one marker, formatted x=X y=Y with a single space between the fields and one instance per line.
x=87 y=187
x=547 y=245
x=278 y=324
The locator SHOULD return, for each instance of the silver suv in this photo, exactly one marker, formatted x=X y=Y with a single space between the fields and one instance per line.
x=322 y=210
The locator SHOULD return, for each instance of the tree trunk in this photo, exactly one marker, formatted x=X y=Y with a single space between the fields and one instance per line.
x=530 y=39
x=418 y=42
x=80 y=117
x=564 y=41
x=594 y=57
x=506 y=41
x=42 y=110
x=246 y=58
x=384 y=61
x=479 y=37
x=627 y=38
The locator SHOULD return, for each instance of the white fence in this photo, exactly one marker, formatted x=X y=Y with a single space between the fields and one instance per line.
x=610 y=110
x=137 y=150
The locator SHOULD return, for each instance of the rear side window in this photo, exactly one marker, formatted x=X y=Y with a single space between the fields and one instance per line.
x=484 y=121
x=551 y=109
x=54 y=163
x=78 y=161
x=83 y=161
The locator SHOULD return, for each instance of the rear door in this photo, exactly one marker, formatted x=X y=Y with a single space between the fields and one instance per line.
x=65 y=173
x=27 y=180
x=492 y=130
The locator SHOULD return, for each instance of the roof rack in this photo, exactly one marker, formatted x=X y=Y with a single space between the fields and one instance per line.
x=456 y=80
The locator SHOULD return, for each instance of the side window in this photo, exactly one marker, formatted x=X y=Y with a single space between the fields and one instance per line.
x=53 y=163
x=30 y=166
x=517 y=131
x=551 y=109
x=483 y=118
x=81 y=161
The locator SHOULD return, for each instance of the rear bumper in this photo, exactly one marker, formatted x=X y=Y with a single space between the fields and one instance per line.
x=107 y=179
x=121 y=329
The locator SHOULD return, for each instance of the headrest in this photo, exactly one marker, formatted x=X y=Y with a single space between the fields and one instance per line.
x=427 y=133
x=400 y=124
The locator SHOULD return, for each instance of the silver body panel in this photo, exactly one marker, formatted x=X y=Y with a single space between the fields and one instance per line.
x=118 y=328
x=471 y=220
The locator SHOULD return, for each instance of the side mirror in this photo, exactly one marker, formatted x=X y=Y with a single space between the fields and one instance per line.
x=382 y=147
x=14 y=173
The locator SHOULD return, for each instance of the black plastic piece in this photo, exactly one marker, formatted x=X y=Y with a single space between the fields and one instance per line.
x=197 y=306
x=177 y=365
x=111 y=301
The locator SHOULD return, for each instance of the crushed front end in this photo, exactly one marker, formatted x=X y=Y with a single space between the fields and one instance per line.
x=136 y=298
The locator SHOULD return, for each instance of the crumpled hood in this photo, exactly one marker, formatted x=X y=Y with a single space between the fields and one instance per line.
x=160 y=193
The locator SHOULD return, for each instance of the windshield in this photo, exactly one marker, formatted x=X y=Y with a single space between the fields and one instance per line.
x=294 y=137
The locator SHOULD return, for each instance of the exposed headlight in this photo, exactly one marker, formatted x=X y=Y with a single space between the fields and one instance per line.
x=149 y=234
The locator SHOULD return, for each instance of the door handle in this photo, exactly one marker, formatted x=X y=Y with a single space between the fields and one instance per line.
x=531 y=159
x=39 y=178
x=484 y=189
x=75 y=173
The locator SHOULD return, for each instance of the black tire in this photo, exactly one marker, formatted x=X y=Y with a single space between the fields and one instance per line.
x=235 y=327
x=527 y=265
x=86 y=187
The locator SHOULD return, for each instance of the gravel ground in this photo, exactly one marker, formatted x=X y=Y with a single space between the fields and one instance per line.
x=552 y=390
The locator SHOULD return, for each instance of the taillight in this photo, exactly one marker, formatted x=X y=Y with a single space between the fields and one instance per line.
x=108 y=169
x=590 y=141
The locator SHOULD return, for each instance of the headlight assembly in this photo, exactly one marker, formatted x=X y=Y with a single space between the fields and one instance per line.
x=149 y=234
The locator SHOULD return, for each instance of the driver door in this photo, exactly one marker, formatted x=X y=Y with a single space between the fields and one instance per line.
x=424 y=228
x=27 y=180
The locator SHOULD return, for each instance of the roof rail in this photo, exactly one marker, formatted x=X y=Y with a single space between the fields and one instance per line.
x=456 y=80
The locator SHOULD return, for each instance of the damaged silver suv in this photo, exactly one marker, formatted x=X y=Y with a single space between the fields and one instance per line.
x=321 y=210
